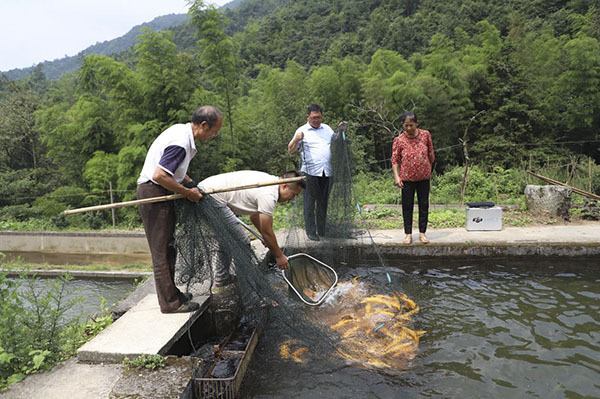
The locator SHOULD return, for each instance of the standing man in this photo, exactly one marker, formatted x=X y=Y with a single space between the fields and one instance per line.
x=164 y=172
x=314 y=141
x=257 y=203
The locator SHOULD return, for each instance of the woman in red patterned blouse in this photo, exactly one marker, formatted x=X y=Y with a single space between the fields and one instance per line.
x=412 y=157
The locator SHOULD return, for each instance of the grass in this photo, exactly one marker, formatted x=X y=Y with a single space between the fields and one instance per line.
x=383 y=218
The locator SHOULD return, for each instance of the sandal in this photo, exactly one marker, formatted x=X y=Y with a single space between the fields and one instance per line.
x=424 y=239
x=407 y=239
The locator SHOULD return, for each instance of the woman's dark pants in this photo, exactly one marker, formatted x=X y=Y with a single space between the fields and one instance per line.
x=408 y=203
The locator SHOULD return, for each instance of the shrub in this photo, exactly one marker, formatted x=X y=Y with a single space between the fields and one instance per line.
x=47 y=207
x=34 y=332
x=69 y=195
x=376 y=189
x=19 y=213
x=499 y=185
x=32 y=326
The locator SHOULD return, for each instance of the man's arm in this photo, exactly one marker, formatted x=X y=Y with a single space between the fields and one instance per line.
x=167 y=181
x=293 y=144
x=264 y=224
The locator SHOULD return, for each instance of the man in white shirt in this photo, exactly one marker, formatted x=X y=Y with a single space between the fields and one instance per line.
x=314 y=141
x=165 y=172
x=257 y=203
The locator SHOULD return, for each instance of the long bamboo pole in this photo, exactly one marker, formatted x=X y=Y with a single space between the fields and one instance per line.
x=574 y=189
x=177 y=196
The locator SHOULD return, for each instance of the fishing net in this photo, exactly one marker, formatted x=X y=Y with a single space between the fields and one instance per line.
x=205 y=243
x=343 y=212
x=357 y=319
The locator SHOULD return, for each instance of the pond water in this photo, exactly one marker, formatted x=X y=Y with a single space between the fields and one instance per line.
x=91 y=292
x=501 y=327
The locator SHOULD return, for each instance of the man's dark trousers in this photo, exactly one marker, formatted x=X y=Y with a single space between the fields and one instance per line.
x=316 y=195
x=159 y=224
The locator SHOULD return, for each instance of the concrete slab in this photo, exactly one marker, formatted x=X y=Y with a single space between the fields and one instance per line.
x=509 y=235
x=142 y=330
x=68 y=380
x=164 y=383
x=570 y=241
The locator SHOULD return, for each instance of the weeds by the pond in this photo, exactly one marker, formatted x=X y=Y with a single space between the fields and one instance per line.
x=34 y=334
x=151 y=362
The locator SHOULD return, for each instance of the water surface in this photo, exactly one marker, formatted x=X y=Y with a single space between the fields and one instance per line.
x=89 y=291
x=495 y=328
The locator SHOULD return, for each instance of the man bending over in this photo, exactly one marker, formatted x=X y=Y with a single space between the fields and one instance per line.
x=257 y=203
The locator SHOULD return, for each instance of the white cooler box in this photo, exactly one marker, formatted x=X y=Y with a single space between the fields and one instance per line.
x=484 y=218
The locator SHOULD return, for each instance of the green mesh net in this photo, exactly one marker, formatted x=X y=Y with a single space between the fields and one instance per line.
x=204 y=243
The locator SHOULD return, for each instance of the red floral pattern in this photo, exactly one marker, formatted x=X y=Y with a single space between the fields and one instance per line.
x=415 y=156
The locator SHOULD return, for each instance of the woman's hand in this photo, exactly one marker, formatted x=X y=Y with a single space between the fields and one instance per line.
x=398 y=182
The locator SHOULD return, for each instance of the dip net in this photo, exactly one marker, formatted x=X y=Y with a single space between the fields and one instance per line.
x=361 y=320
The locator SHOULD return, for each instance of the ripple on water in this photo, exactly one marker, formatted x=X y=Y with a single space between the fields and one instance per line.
x=528 y=330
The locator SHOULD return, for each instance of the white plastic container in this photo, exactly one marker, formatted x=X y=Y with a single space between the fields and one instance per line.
x=481 y=219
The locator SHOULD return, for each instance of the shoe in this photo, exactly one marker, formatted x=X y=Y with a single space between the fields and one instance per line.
x=186 y=308
x=407 y=239
x=313 y=237
x=423 y=239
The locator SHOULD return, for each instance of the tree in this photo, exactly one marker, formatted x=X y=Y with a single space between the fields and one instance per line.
x=19 y=134
x=84 y=129
x=218 y=55
x=100 y=171
x=166 y=77
x=104 y=80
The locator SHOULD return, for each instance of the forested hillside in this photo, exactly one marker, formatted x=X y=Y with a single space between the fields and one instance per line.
x=518 y=82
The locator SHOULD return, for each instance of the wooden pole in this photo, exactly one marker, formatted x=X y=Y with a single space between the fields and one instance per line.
x=177 y=196
x=572 y=170
x=464 y=141
x=590 y=174
x=574 y=189
x=111 y=201
x=528 y=181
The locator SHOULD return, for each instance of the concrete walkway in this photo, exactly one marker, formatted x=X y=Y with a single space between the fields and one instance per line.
x=143 y=330
x=75 y=379
x=559 y=235
x=570 y=241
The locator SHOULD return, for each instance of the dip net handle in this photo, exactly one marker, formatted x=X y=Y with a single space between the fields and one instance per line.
x=178 y=196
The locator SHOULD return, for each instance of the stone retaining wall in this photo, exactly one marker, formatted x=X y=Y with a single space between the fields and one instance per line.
x=75 y=248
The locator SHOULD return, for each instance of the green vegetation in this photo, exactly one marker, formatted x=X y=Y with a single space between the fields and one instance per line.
x=518 y=83
x=151 y=362
x=34 y=334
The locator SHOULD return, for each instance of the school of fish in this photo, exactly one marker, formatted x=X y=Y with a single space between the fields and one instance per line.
x=375 y=329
